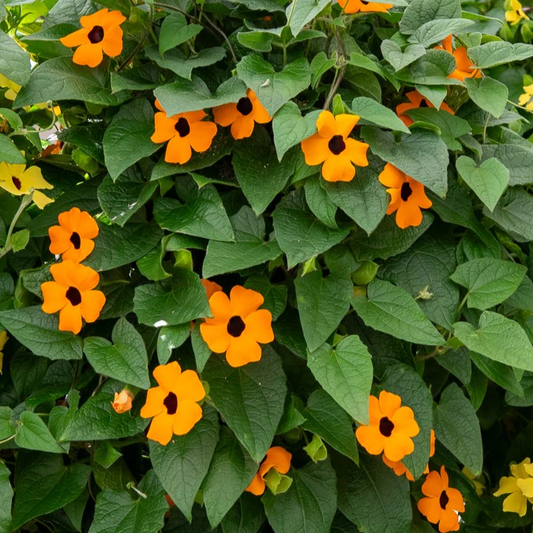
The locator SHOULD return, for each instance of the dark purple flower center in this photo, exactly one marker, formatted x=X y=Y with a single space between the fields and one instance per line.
x=336 y=144
x=244 y=106
x=96 y=35
x=406 y=191
x=444 y=499
x=182 y=127
x=75 y=239
x=17 y=183
x=236 y=326
x=386 y=427
x=73 y=296
x=171 y=403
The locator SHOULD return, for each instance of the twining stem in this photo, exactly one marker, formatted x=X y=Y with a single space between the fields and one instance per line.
x=339 y=74
x=141 y=42
x=7 y=440
x=25 y=202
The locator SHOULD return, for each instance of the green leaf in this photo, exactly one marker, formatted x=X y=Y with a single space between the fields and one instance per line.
x=172 y=301
x=6 y=497
x=409 y=385
x=388 y=239
x=256 y=40
x=299 y=233
x=45 y=485
x=176 y=31
x=97 y=420
x=127 y=512
x=433 y=68
x=275 y=295
x=392 y=310
x=496 y=53
x=9 y=153
x=325 y=418
x=122 y=198
x=171 y=337
x=309 y=505
x=250 y=398
x=247 y=515
x=322 y=304
x=425 y=270
x=184 y=95
x=435 y=31
x=260 y=5
x=345 y=373
x=374 y=112
x=262 y=177
x=422 y=155
x=20 y=240
x=127 y=138
x=182 y=464
x=301 y=12
x=398 y=58
x=7 y=428
x=203 y=215
x=363 y=199
x=40 y=334
x=373 y=497
x=502 y=375
x=230 y=472
x=61 y=79
x=497 y=338
x=320 y=64
x=489 y=281
x=489 y=94
x=320 y=203
x=116 y=246
x=124 y=359
x=33 y=434
x=419 y=12
x=517 y=158
x=460 y=434
x=488 y=180
x=281 y=87
x=290 y=128
x=14 y=60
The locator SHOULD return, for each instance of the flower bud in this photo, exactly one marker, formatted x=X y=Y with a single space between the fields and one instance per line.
x=123 y=400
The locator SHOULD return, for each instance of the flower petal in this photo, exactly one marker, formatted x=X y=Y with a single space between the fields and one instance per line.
x=92 y=303
x=161 y=428
x=404 y=421
x=178 y=150
x=226 y=114
x=338 y=168
x=356 y=151
x=189 y=387
x=75 y=38
x=257 y=486
x=431 y=509
x=397 y=446
x=242 y=127
x=259 y=326
x=112 y=43
x=201 y=135
x=389 y=403
x=326 y=125
x=216 y=336
x=90 y=55
x=243 y=350
x=370 y=439
x=70 y=318
x=244 y=301
x=432 y=486
x=168 y=376
x=154 y=402
x=449 y=521
x=54 y=297
x=346 y=123
x=315 y=149
x=59 y=240
x=277 y=458
x=409 y=214
x=220 y=308
x=186 y=417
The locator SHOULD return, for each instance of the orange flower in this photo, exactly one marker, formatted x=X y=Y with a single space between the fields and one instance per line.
x=73 y=237
x=184 y=131
x=356 y=6
x=442 y=503
x=416 y=100
x=71 y=293
x=210 y=287
x=54 y=148
x=463 y=64
x=123 y=401
x=101 y=33
x=242 y=116
x=391 y=428
x=400 y=469
x=173 y=404
x=332 y=146
x=276 y=458
x=407 y=196
x=238 y=326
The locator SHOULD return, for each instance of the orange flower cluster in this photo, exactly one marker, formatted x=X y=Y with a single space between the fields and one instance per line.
x=72 y=291
x=390 y=432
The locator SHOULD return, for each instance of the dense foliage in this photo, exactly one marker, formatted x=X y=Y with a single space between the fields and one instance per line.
x=265 y=265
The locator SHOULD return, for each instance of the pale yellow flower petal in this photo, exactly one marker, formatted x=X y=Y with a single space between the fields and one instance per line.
x=41 y=200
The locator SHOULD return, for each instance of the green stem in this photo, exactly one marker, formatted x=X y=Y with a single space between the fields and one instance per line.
x=461 y=305
x=25 y=202
x=7 y=440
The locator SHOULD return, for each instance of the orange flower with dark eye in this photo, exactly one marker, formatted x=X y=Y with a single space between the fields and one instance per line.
x=242 y=116
x=100 y=34
x=463 y=64
x=173 y=405
x=122 y=403
x=416 y=101
x=210 y=287
x=73 y=237
x=277 y=458
x=407 y=196
x=333 y=147
x=400 y=469
x=442 y=502
x=238 y=326
x=71 y=293
x=184 y=132
x=362 y=6
x=391 y=428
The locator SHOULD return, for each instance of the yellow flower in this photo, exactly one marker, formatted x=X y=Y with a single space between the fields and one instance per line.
x=515 y=13
x=3 y=339
x=526 y=97
x=12 y=87
x=477 y=481
x=18 y=180
x=519 y=487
